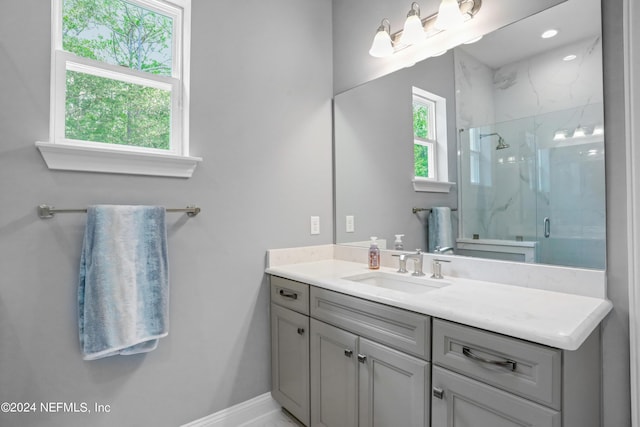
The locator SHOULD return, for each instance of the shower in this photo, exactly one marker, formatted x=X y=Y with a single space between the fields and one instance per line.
x=501 y=145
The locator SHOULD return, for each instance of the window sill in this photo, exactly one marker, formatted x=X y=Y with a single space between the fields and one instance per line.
x=91 y=159
x=431 y=186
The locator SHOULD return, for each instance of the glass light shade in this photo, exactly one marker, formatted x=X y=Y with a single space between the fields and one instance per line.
x=579 y=132
x=413 y=31
x=449 y=15
x=381 y=45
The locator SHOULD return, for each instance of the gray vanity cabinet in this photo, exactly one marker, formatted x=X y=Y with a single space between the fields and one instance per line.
x=484 y=379
x=462 y=402
x=392 y=387
x=290 y=346
x=357 y=381
x=334 y=376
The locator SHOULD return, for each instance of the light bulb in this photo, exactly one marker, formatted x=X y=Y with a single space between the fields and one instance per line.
x=449 y=15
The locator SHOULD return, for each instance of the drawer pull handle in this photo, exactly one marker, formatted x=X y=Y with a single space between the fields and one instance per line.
x=362 y=358
x=504 y=363
x=301 y=331
x=348 y=353
x=438 y=393
x=290 y=295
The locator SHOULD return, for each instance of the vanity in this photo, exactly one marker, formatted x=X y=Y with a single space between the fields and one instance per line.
x=355 y=347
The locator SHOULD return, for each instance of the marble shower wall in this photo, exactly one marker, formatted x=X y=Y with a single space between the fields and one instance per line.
x=506 y=194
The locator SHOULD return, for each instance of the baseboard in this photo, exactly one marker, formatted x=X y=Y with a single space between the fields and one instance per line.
x=239 y=414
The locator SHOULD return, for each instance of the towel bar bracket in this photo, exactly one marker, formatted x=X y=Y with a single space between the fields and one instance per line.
x=46 y=211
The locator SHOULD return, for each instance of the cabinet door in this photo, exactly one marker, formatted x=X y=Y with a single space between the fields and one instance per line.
x=392 y=387
x=290 y=361
x=462 y=402
x=334 y=376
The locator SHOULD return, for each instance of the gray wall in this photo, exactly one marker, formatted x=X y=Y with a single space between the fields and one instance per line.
x=261 y=118
x=615 y=336
x=353 y=67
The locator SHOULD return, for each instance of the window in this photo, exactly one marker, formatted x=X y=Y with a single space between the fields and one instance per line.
x=424 y=137
x=480 y=160
x=119 y=82
x=430 y=142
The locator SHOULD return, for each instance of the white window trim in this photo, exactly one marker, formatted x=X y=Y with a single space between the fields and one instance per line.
x=439 y=184
x=66 y=154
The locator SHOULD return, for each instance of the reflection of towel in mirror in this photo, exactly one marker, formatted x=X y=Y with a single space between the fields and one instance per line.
x=439 y=228
x=123 y=293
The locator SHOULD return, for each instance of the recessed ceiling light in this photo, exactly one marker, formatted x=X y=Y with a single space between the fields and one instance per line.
x=549 y=33
x=569 y=57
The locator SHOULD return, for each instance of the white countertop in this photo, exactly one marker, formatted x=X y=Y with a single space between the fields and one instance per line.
x=551 y=318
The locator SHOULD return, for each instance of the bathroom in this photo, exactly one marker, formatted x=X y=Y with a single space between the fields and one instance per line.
x=261 y=179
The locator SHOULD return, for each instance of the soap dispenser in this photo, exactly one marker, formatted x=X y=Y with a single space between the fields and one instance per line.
x=374 y=254
x=398 y=245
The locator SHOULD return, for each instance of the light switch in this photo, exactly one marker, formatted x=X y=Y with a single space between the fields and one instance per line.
x=350 y=224
x=315 y=225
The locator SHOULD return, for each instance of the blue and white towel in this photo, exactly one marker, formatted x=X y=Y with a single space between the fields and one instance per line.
x=440 y=232
x=123 y=293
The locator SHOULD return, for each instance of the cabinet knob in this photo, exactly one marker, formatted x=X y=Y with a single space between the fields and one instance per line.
x=438 y=393
x=362 y=358
x=301 y=331
x=348 y=353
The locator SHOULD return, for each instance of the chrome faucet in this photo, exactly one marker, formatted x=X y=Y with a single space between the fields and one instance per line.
x=442 y=250
x=436 y=268
x=417 y=262
x=402 y=262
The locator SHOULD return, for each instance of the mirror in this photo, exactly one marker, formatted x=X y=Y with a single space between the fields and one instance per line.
x=540 y=197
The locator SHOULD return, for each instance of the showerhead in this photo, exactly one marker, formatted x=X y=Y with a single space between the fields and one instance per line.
x=501 y=144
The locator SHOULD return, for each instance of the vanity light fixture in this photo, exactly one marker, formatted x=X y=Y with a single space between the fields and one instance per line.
x=549 y=33
x=417 y=29
x=413 y=31
x=449 y=15
x=382 y=45
x=580 y=132
x=560 y=135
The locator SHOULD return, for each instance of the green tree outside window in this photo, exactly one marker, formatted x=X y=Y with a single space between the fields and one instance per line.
x=108 y=110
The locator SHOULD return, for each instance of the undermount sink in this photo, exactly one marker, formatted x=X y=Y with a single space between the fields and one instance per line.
x=397 y=282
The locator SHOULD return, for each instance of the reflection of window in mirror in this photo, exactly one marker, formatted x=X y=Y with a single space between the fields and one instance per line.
x=479 y=160
x=424 y=136
x=430 y=142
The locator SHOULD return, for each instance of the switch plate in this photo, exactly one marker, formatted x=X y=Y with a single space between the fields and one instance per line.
x=315 y=225
x=350 y=224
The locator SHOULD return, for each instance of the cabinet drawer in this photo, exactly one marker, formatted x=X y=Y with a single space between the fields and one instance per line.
x=523 y=368
x=290 y=294
x=401 y=329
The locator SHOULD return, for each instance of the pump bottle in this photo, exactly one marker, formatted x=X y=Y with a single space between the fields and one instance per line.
x=374 y=254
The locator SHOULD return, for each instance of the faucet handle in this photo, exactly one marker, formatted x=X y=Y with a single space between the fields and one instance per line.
x=436 y=268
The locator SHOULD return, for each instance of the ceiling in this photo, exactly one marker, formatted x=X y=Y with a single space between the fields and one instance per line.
x=574 y=19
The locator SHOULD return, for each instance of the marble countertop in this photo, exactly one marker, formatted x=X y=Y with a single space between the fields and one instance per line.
x=551 y=318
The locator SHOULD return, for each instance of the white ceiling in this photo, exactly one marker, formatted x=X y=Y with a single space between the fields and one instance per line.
x=574 y=19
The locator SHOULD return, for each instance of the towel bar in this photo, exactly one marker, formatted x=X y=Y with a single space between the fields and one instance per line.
x=416 y=210
x=46 y=211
